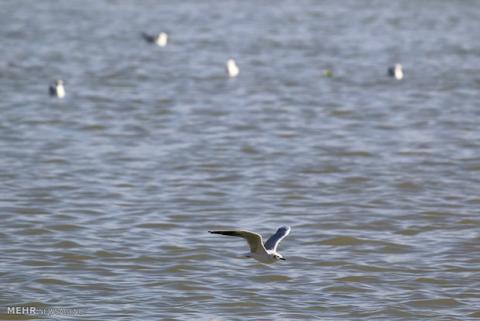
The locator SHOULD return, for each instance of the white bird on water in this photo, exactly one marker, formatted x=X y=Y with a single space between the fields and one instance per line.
x=396 y=71
x=265 y=253
x=56 y=89
x=160 y=40
x=232 y=68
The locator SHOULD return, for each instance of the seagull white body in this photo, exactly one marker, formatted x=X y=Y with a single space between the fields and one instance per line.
x=265 y=253
x=396 y=71
x=57 y=89
x=160 y=40
x=232 y=68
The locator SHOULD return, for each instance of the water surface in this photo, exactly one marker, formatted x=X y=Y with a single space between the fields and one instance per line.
x=106 y=196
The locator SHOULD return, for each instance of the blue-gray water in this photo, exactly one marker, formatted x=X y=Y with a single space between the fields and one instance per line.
x=106 y=196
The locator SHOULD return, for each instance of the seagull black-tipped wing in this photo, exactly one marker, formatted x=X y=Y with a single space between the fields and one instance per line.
x=254 y=240
x=272 y=242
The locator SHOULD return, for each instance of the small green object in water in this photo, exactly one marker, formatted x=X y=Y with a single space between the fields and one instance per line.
x=327 y=73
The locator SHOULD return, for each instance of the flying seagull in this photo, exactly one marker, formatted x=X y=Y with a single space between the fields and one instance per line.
x=263 y=252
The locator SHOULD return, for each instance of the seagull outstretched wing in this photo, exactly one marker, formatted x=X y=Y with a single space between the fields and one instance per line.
x=272 y=242
x=254 y=240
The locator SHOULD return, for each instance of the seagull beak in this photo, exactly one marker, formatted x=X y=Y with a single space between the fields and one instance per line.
x=283 y=259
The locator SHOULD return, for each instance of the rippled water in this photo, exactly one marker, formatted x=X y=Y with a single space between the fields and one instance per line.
x=107 y=195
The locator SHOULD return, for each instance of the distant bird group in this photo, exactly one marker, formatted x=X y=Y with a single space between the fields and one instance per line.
x=57 y=89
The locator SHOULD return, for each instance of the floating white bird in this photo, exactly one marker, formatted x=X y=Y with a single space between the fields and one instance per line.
x=232 y=68
x=265 y=253
x=396 y=71
x=160 y=40
x=56 y=89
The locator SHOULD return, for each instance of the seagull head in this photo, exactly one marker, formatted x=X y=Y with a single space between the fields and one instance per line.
x=277 y=257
